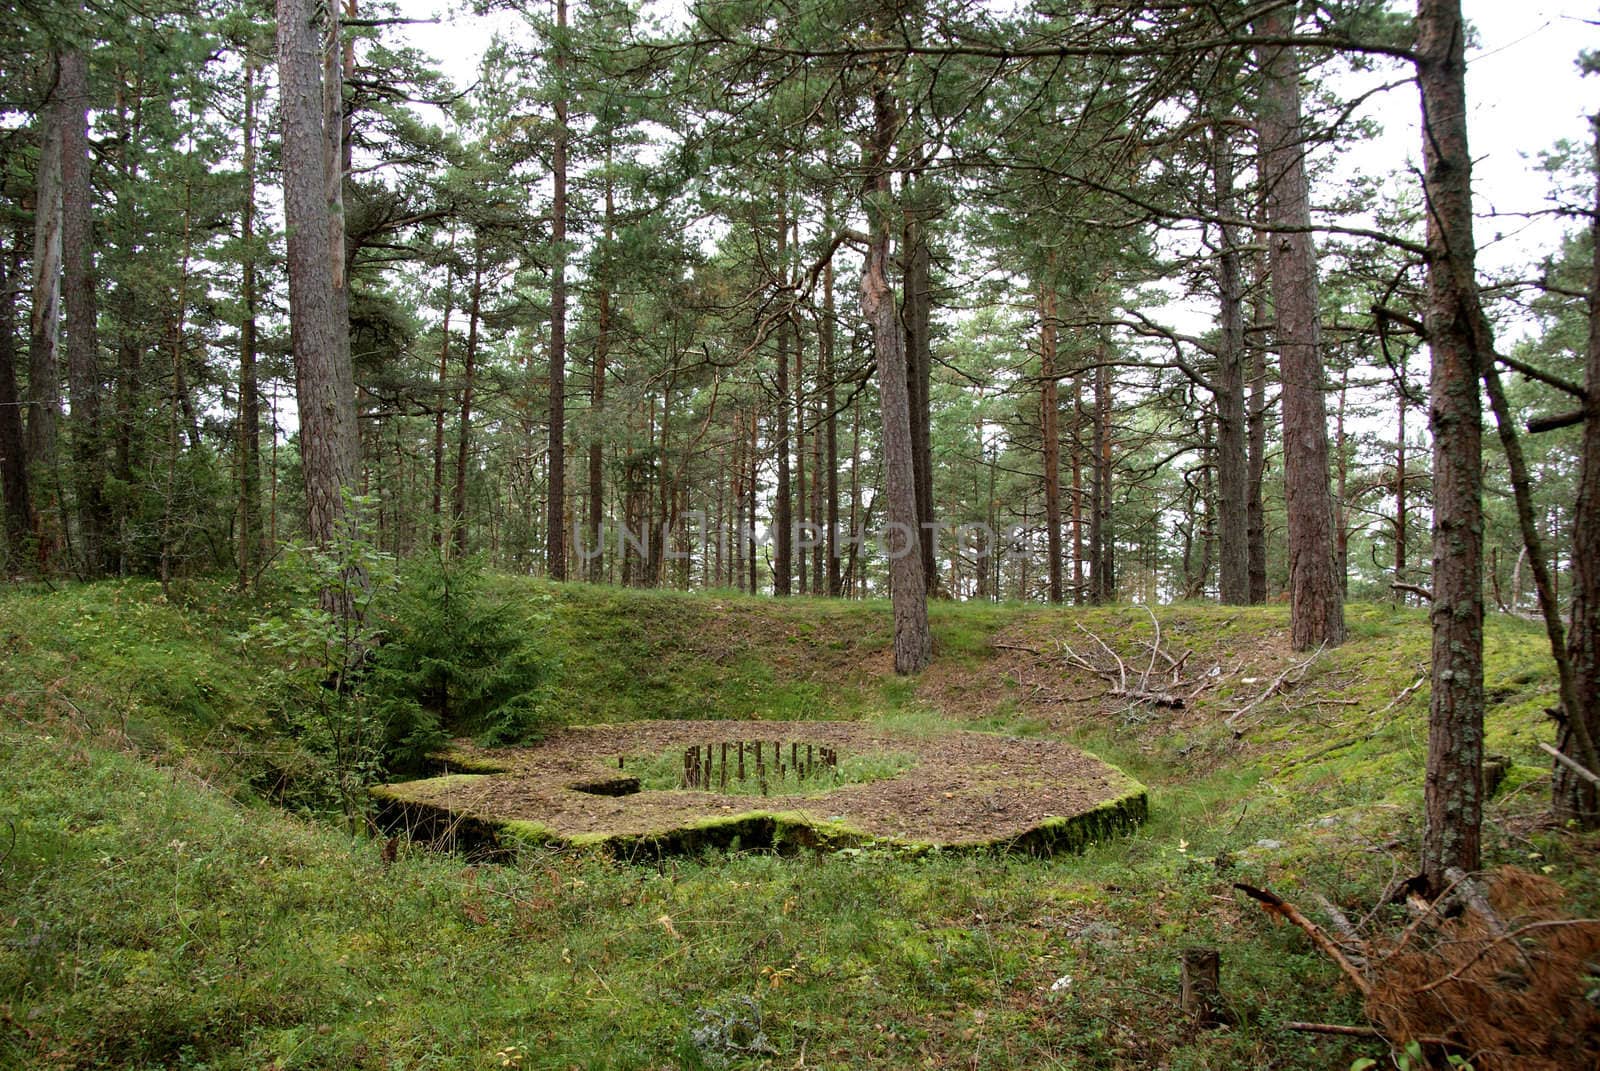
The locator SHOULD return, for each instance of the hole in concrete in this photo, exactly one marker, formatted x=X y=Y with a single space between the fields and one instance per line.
x=769 y=766
x=612 y=786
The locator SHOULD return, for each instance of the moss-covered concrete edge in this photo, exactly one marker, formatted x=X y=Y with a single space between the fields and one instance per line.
x=781 y=831
x=453 y=758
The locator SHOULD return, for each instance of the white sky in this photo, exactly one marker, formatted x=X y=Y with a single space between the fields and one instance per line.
x=1525 y=94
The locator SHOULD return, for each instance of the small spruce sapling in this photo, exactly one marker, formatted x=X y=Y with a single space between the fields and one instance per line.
x=454 y=659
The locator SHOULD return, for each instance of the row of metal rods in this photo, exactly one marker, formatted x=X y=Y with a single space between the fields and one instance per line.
x=701 y=768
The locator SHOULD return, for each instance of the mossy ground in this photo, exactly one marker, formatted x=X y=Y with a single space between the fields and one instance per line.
x=154 y=913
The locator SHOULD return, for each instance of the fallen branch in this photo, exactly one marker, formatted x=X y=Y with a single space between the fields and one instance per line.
x=1155 y=647
x=1420 y=592
x=1572 y=764
x=1272 y=689
x=1342 y=923
x=1341 y=1030
x=1157 y=685
x=1122 y=667
x=1160 y=699
x=1404 y=695
x=1017 y=647
x=1275 y=905
x=1335 y=1028
x=1473 y=897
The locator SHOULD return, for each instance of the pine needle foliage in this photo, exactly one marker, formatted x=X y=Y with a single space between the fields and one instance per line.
x=455 y=660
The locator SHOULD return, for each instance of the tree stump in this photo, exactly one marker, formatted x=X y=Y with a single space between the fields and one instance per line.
x=1202 y=986
x=1495 y=768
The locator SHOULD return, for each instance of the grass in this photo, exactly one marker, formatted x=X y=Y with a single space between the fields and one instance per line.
x=155 y=913
x=664 y=773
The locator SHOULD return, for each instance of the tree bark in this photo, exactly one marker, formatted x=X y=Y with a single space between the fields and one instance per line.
x=1456 y=334
x=179 y=398
x=1341 y=530
x=81 y=306
x=855 y=497
x=783 y=502
x=916 y=315
x=1050 y=434
x=1102 y=541
x=132 y=341
x=1233 y=464
x=736 y=550
x=249 y=387
x=802 y=517
x=1582 y=742
x=469 y=361
x=1255 y=507
x=1401 y=535
x=1316 y=610
x=319 y=334
x=1572 y=796
x=1079 y=591
x=443 y=396
x=44 y=333
x=19 y=519
x=831 y=432
x=819 y=535
x=597 y=394
x=913 y=643
x=556 y=509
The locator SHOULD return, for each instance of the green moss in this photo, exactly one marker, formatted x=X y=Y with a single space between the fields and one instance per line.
x=157 y=915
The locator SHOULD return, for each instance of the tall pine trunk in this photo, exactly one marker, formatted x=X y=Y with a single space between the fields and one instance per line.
x=442 y=399
x=249 y=387
x=1459 y=343
x=802 y=516
x=469 y=361
x=1102 y=540
x=1080 y=591
x=1315 y=607
x=1574 y=797
x=80 y=300
x=1400 y=508
x=19 y=518
x=752 y=478
x=831 y=433
x=1232 y=454
x=1256 y=464
x=916 y=314
x=913 y=643
x=1050 y=434
x=44 y=334
x=319 y=333
x=556 y=510
x=597 y=392
x=819 y=534
x=782 y=503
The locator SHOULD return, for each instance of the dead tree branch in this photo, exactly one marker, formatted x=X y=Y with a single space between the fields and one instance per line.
x=1277 y=685
x=1281 y=908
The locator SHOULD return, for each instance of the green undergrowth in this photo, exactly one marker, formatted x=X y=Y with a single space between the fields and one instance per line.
x=156 y=913
x=154 y=675
x=665 y=772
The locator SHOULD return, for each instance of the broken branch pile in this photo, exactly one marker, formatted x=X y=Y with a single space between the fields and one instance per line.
x=1489 y=971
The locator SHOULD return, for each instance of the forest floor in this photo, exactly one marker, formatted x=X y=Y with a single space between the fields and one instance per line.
x=157 y=912
x=947 y=789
